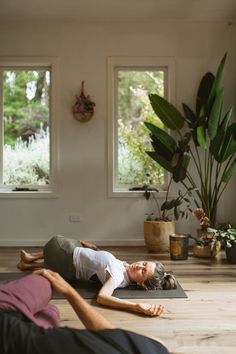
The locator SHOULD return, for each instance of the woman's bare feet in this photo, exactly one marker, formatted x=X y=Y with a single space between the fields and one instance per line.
x=26 y=257
x=30 y=257
x=24 y=266
x=29 y=266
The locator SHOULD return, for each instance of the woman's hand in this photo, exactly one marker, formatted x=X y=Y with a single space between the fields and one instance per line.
x=150 y=309
x=58 y=283
x=90 y=317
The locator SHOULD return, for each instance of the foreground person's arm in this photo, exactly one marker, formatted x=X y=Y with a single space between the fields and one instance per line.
x=105 y=298
x=89 y=316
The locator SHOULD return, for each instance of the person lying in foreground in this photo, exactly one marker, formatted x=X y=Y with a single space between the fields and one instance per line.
x=70 y=260
x=29 y=324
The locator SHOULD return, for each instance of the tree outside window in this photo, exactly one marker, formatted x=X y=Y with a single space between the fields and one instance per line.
x=26 y=126
x=133 y=108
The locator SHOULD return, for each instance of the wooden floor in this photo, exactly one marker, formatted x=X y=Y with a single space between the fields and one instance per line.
x=203 y=323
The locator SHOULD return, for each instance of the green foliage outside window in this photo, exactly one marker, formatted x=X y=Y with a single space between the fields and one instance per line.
x=133 y=108
x=26 y=126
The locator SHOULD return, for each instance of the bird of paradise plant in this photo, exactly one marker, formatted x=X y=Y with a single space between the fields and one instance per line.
x=204 y=136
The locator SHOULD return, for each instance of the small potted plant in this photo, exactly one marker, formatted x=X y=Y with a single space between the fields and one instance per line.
x=159 y=225
x=204 y=221
x=227 y=237
x=206 y=243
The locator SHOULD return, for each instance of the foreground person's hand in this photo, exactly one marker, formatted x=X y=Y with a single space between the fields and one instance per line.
x=58 y=283
x=89 y=317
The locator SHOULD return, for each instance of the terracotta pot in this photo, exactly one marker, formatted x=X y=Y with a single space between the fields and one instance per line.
x=202 y=251
x=208 y=251
x=156 y=235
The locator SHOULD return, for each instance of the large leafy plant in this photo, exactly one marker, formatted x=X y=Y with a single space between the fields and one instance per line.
x=204 y=136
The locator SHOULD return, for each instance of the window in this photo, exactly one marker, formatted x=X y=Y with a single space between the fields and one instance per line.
x=130 y=82
x=27 y=146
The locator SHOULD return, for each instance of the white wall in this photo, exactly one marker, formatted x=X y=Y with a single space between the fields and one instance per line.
x=82 y=50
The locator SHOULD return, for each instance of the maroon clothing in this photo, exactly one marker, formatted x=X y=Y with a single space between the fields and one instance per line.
x=30 y=295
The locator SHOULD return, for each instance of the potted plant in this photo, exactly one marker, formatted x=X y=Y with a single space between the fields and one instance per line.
x=159 y=225
x=206 y=243
x=227 y=237
x=204 y=137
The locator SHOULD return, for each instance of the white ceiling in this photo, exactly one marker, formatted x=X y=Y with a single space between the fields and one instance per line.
x=116 y=9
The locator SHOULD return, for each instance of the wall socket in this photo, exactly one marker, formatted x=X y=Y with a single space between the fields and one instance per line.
x=74 y=218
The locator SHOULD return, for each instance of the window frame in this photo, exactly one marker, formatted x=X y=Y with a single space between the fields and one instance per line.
x=131 y=63
x=31 y=63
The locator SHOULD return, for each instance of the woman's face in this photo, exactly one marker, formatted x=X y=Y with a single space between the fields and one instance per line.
x=138 y=272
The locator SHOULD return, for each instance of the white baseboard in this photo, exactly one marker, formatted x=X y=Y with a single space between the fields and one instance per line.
x=41 y=243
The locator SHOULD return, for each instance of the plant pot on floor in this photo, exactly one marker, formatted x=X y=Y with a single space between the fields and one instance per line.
x=207 y=251
x=156 y=235
x=231 y=253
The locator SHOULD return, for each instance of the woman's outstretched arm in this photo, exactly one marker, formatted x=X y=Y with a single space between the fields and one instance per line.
x=105 y=298
x=89 y=316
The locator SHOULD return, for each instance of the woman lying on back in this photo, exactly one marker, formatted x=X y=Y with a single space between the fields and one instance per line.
x=70 y=260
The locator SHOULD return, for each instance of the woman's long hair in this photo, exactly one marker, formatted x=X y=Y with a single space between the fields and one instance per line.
x=160 y=279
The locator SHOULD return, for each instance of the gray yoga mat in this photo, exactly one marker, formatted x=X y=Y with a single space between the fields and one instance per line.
x=89 y=289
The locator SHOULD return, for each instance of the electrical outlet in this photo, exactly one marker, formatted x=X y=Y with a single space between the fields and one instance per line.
x=74 y=218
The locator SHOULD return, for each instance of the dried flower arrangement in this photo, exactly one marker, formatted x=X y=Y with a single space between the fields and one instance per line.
x=204 y=221
x=83 y=108
x=207 y=244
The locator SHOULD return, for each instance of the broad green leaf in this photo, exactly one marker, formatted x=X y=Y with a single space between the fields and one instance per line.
x=217 y=144
x=225 y=122
x=175 y=159
x=161 y=148
x=190 y=116
x=185 y=160
x=216 y=83
x=180 y=170
x=166 y=112
x=178 y=202
x=214 y=119
x=160 y=160
x=203 y=93
x=164 y=205
x=229 y=145
x=162 y=136
x=202 y=112
x=171 y=204
x=201 y=136
x=176 y=213
x=229 y=173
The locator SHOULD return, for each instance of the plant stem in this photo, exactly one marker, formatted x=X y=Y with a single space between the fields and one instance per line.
x=194 y=186
x=157 y=204
x=166 y=199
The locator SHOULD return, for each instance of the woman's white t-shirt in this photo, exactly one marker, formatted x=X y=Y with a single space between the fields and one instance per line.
x=88 y=262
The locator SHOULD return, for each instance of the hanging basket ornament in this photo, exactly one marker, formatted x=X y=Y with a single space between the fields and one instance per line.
x=83 y=109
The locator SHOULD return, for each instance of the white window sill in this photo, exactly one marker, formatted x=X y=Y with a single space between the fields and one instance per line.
x=9 y=194
x=121 y=193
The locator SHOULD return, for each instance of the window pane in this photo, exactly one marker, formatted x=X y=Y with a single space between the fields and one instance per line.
x=26 y=112
x=133 y=108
